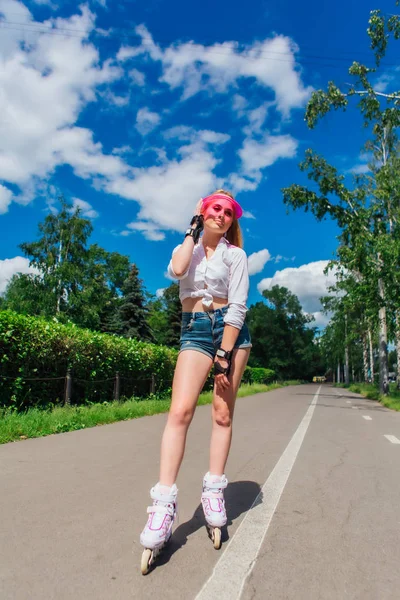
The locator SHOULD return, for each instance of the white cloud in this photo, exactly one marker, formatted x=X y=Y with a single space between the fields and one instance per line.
x=255 y=155
x=307 y=282
x=169 y=192
x=256 y=118
x=389 y=77
x=46 y=2
x=320 y=319
x=239 y=104
x=160 y=292
x=5 y=199
x=47 y=80
x=184 y=133
x=238 y=183
x=279 y=257
x=146 y=120
x=11 y=266
x=361 y=167
x=149 y=230
x=258 y=260
x=137 y=77
x=115 y=99
x=86 y=208
x=216 y=68
x=45 y=84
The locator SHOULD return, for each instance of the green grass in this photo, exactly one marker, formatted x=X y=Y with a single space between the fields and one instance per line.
x=371 y=392
x=36 y=423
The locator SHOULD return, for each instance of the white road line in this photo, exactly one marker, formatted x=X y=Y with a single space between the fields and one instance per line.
x=238 y=560
x=393 y=439
x=348 y=401
x=355 y=407
x=367 y=418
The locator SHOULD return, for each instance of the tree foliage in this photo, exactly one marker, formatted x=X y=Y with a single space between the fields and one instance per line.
x=281 y=337
x=368 y=211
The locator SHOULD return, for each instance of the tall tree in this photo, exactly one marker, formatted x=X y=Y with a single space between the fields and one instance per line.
x=74 y=280
x=130 y=319
x=369 y=213
x=165 y=317
x=281 y=336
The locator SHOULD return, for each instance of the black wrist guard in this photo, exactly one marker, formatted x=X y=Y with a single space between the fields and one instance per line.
x=224 y=370
x=194 y=232
x=199 y=221
x=221 y=353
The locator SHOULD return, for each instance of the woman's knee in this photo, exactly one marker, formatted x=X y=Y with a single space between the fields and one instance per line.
x=222 y=418
x=180 y=416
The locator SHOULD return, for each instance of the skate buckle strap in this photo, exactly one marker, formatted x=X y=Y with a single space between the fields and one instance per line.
x=215 y=485
x=164 y=498
x=157 y=508
x=212 y=494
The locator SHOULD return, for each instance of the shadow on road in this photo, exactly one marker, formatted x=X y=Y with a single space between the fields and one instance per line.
x=239 y=497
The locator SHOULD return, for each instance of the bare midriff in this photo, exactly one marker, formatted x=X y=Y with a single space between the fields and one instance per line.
x=196 y=305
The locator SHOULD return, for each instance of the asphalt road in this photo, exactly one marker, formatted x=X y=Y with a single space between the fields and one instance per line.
x=313 y=507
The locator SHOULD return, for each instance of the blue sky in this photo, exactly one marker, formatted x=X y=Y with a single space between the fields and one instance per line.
x=135 y=110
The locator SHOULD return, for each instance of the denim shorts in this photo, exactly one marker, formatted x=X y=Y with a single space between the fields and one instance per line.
x=202 y=331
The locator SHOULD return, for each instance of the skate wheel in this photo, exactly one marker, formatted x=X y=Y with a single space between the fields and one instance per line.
x=216 y=538
x=146 y=561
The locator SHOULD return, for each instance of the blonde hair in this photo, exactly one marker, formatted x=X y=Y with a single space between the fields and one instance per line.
x=234 y=233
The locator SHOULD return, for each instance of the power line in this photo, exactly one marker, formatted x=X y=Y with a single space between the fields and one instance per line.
x=206 y=39
x=40 y=28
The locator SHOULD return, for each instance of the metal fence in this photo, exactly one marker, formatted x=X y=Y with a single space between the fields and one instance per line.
x=67 y=390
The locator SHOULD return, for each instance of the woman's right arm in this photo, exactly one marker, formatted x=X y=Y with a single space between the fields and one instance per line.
x=182 y=258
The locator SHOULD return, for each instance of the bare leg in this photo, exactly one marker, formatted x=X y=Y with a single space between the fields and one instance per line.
x=191 y=372
x=222 y=414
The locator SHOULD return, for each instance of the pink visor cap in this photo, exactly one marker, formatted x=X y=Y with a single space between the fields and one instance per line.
x=219 y=196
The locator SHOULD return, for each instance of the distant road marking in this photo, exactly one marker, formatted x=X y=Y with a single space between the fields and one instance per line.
x=367 y=418
x=393 y=439
x=238 y=560
x=355 y=407
x=348 y=401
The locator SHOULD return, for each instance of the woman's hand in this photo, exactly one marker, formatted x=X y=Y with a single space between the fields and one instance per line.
x=197 y=210
x=222 y=383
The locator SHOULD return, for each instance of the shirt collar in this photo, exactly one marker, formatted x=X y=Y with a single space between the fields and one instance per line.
x=222 y=241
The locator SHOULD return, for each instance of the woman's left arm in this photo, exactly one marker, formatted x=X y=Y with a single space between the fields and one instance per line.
x=237 y=298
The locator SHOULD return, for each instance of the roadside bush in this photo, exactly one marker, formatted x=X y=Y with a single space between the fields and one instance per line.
x=258 y=375
x=35 y=355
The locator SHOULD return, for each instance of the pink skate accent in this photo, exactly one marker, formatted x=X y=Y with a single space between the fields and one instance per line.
x=162 y=515
x=212 y=500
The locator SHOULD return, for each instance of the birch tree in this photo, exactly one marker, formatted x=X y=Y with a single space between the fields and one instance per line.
x=368 y=214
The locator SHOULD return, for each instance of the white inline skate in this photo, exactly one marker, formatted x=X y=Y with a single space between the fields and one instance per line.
x=213 y=503
x=158 y=529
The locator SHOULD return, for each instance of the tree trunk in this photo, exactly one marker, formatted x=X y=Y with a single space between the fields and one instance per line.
x=346 y=366
x=339 y=380
x=346 y=355
x=365 y=357
x=383 y=353
x=371 y=356
x=59 y=259
x=398 y=348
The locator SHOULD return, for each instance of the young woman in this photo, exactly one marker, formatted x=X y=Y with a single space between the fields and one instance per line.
x=214 y=285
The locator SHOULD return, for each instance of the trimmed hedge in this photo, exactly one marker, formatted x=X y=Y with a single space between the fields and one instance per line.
x=32 y=349
x=258 y=375
x=35 y=355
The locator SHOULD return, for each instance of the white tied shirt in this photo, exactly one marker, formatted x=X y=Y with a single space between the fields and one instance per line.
x=224 y=275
